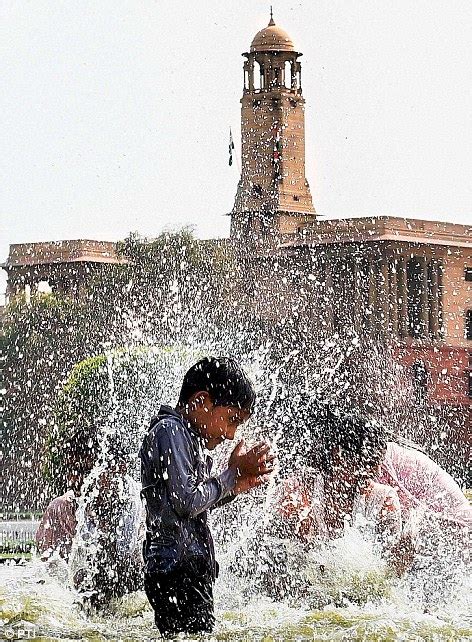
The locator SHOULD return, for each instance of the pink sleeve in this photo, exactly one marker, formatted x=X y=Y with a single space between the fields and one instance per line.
x=423 y=485
x=57 y=527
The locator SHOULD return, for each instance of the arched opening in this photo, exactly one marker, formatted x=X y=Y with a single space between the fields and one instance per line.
x=258 y=77
x=44 y=287
x=287 y=75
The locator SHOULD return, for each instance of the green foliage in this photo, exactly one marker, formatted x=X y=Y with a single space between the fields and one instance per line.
x=82 y=394
x=176 y=271
x=41 y=339
x=72 y=441
x=107 y=401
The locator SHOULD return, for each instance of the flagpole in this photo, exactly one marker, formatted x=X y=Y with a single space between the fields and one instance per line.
x=238 y=161
x=233 y=151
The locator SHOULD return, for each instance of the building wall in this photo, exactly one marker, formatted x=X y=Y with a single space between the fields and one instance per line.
x=366 y=287
x=457 y=296
x=447 y=368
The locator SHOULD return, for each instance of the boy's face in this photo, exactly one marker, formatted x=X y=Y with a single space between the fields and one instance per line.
x=215 y=423
x=349 y=469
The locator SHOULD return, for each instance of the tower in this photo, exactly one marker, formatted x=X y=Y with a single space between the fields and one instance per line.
x=273 y=196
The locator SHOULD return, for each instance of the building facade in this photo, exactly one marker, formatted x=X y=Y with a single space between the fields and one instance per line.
x=63 y=265
x=407 y=281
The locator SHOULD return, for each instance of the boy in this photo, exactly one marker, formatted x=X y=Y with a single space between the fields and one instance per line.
x=59 y=523
x=106 y=557
x=180 y=567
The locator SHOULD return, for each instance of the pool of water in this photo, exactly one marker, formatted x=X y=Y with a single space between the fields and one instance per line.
x=36 y=604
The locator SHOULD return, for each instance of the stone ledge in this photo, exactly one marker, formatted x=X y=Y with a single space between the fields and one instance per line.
x=383 y=228
x=76 y=251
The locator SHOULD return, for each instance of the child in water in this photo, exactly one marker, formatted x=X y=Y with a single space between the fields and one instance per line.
x=179 y=490
x=338 y=488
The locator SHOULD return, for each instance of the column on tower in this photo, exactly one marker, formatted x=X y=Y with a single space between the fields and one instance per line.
x=402 y=296
x=424 y=303
x=293 y=75
x=249 y=74
x=393 y=296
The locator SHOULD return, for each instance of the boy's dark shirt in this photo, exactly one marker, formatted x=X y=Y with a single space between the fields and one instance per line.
x=178 y=489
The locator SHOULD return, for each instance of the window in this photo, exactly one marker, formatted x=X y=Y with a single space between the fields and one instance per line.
x=468 y=274
x=420 y=381
x=414 y=287
x=468 y=325
x=257 y=190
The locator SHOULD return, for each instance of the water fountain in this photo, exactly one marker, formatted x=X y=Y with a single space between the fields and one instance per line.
x=342 y=590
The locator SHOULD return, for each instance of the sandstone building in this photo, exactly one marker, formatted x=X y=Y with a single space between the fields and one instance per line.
x=405 y=280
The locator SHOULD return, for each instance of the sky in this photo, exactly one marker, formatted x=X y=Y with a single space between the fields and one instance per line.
x=115 y=114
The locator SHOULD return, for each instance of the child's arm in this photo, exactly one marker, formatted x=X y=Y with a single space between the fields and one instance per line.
x=402 y=554
x=297 y=508
x=399 y=546
x=172 y=455
x=389 y=525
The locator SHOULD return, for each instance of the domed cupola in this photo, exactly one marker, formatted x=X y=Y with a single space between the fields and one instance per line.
x=272 y=38
x=272 y=49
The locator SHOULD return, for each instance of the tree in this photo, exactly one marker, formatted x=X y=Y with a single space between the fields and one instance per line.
x=40 y=341
x=107 y=402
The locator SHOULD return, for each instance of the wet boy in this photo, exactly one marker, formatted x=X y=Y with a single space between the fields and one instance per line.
x=180 y=567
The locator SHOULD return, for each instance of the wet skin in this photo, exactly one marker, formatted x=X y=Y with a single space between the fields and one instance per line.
x=219 y=423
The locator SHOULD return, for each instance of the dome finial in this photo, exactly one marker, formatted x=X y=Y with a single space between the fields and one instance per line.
x=271 y=21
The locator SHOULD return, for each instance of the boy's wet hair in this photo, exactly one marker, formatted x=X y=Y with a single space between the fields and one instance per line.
x=361 y=440
x=223 y=379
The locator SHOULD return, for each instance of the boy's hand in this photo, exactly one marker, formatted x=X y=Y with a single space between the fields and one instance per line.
x=253 y=466
x=244 y=484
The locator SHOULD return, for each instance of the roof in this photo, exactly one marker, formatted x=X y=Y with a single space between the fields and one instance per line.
x=383 y=228
x=272 y=38
x=77 y=251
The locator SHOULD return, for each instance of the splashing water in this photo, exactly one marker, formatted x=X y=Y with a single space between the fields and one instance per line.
x=341 y=590
x=40 y=603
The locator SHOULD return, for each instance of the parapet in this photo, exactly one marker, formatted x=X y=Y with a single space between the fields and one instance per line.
x=78 y=251
x=383 y=228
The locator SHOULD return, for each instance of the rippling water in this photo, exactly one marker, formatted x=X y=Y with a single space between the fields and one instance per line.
x=35 y=603
x=354 y=598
